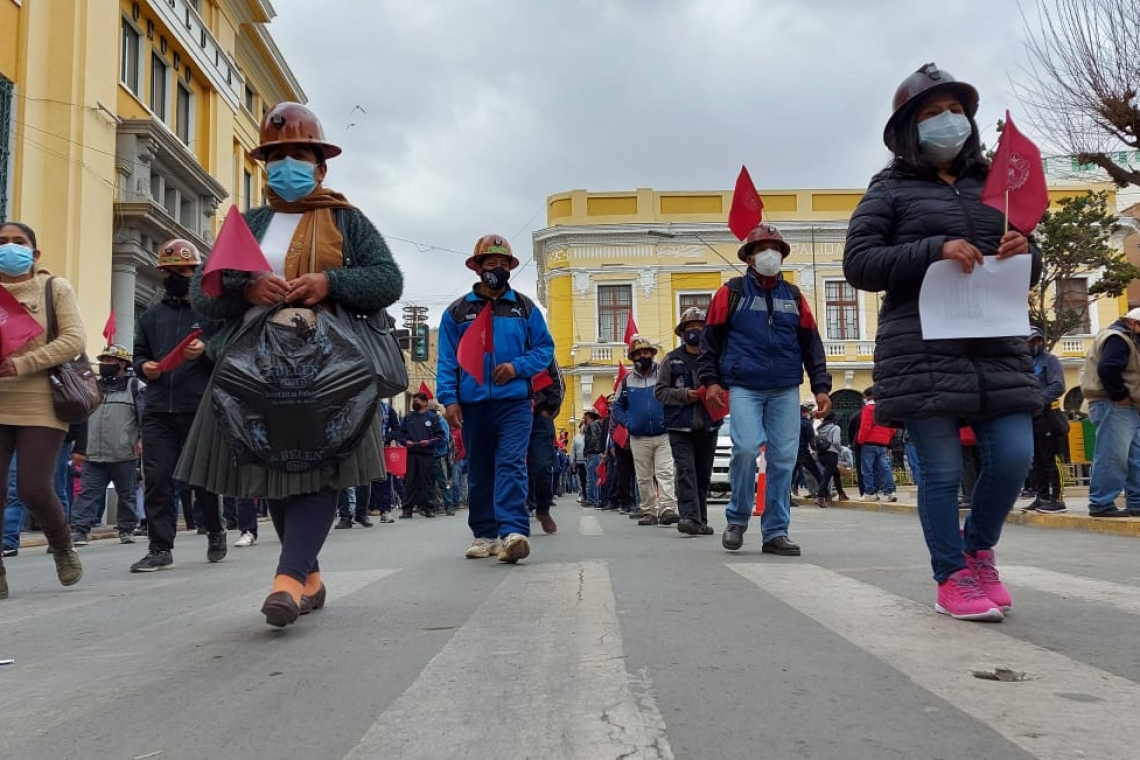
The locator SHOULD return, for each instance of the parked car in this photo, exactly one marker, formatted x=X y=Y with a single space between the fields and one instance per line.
x=720 y=487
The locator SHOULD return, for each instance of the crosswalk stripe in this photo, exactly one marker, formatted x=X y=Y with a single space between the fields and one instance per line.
x=537 y=671
x=1057 y=714
x=588 y=525
x=1122 y=597
x=29 y=606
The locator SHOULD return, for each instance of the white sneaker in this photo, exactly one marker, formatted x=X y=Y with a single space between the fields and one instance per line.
x=515 y=547
x=890 y=497
x=481 y=548
x=246 y=539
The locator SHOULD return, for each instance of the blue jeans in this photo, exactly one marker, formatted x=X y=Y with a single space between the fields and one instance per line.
x=1116 y=458
x=459 y=482
x=63 y=477
x=496 y=435
x=592 y=462
x=912 y=462
x=15 y=512
x=771 y=418
x=1005 y=447
x=875 y=461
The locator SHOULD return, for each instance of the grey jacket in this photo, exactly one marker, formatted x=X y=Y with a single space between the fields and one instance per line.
x=113 y=430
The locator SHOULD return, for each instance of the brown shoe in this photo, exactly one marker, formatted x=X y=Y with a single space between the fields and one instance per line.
x=648 y=519
x=547 y=522
x=782 y=546
x=821 y=502
x=280 y=610
x=68 y=568
x=314 y=602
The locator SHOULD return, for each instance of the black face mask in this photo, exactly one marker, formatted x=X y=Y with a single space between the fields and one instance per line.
x=108 y=370
x=418 y=407
x=496 y=279
x=693 y=336
x=1035 y=349
x=644 y=363
x=177 y=285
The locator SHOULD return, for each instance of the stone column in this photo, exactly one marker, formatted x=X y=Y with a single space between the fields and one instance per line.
x=123 y=302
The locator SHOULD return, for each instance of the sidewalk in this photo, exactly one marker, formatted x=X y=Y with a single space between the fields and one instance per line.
x=1077 y=518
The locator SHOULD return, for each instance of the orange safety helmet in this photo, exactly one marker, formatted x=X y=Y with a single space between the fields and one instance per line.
x=925 y=81
x=491 y=245
x=290 y=123
x=178 y=253
x=760 y=234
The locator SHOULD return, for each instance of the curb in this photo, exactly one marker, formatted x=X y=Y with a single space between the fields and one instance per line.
x=1118 y=526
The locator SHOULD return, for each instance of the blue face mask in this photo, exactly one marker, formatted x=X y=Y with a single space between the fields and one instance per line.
x=291 y=178
x=941 y=137
x=693 y=336
x=16 y=259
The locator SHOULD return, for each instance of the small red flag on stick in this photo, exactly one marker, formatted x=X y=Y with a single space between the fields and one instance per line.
x=109 y=328
x=621 y=373
x=426 y=391
x=17 y=326
x=236 y=248
x=630 y=329
x=1016 y=183
x=476 y=343
x=747 y=206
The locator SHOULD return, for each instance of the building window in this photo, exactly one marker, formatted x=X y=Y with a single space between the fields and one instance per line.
x=693 y=300
x=185 y=113
x=841 y=310
x=615 y=304
x=1075 y=297
x=129 y=57
x=159 y=85
x=249 y=98
x=246 y=189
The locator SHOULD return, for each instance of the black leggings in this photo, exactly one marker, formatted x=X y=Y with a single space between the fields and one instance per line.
x=37 y=451
x=308 y=518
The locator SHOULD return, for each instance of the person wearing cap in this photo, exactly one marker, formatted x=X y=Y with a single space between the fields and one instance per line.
x=171 y=400
x=110 y=450
x=493 y=407
x=759 y=340
x=322 y=251
x=1049 y=427
x=1110 y=381
x=692 y=430
x=924 y=207
x=593 y=447
x=638 y=409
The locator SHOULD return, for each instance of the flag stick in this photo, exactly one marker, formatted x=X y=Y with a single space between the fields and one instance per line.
x=1006 y=210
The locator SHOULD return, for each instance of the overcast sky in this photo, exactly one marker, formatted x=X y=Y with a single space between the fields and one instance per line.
x=459 y=117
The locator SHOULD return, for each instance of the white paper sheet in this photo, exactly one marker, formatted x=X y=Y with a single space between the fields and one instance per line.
x=990 y=302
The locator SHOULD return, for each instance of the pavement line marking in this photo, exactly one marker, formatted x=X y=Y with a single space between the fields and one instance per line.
x=1058 y=715
x=60 y=601
x=1118 y=595
x=588 y=525
x=88 y=678
x=537 y=671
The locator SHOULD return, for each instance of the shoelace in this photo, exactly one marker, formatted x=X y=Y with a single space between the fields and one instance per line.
x=985 y=571
x=969 y=589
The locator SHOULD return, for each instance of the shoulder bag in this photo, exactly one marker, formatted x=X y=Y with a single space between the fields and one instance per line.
x=74 y=387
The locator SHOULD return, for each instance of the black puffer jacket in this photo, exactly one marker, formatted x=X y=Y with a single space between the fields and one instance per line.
x=898 y=231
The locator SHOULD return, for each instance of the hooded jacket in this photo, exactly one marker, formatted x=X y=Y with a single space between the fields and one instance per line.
x=636 y=407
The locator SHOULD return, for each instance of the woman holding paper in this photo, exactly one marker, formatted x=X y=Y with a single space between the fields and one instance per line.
x=313 y=247
x=926 y=207
x=28 y=425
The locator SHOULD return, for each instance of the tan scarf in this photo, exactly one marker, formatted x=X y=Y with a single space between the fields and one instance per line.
x=317 y=244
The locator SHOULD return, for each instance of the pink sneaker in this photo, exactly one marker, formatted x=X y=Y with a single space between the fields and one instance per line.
x=960 y=596
x=982 y=566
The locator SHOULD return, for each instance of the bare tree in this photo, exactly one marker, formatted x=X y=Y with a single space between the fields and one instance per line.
x=1083 y=78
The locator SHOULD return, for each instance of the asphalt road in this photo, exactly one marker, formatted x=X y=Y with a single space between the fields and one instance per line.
x=610 y=641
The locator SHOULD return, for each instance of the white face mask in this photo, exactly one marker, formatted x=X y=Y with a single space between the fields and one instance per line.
x=941 y=137
x=767 y=262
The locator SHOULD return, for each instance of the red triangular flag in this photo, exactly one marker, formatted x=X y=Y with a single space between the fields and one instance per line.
x=747 y=206
x=620 y=436
x=236 y=248
x=476 y=343
x=17 y=326
x=173 y=359
x=630 y=329
x=540 y=381
x=426 y=391
x=601 y=470
x=1016 y=184
x=109 y=328
x=601 y=406
x=621 y=373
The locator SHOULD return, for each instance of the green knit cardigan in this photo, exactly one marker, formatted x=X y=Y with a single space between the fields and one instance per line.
x=370 y=279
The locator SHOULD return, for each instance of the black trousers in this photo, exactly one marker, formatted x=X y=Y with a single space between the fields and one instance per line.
x=164 y=435
x=693 y=453
x=580 y=471
x=302 y=524
x=806 y=461
x=621 y=496
x=1044 y=476
x=539 y=462
x=419 y=483
x=829 y=463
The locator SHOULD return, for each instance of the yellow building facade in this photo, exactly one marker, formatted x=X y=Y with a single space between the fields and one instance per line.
x=125 y=123
x=652 y=254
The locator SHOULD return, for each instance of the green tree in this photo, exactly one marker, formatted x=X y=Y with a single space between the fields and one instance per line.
x=1074 y=242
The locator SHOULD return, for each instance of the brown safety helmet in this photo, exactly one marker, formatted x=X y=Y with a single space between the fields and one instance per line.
x=115 y=351
x=491 y=245
x=691 y=314
x=926 y=80
x=178 y=253
x=637 y=344
x=760 y=234
x=292 y=124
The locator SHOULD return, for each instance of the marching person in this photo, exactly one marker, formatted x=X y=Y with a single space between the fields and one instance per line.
x=540 y=453
x=692 y=431
x=110 y=450
x=926 y=207
x=1049 y=427
x=494 y=410
x=29 y=429
x=759 y=340
x=421 y=432
x=346 y=263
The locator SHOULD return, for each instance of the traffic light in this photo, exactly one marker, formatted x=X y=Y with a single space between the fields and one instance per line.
x=420 y=343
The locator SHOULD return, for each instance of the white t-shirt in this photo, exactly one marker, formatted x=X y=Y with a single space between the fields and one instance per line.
x=275 y=242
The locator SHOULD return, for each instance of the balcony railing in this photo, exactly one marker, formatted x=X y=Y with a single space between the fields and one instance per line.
x=598 y=353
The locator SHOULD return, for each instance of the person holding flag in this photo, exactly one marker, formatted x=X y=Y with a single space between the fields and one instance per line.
x=492 y=342
x=933 y=203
